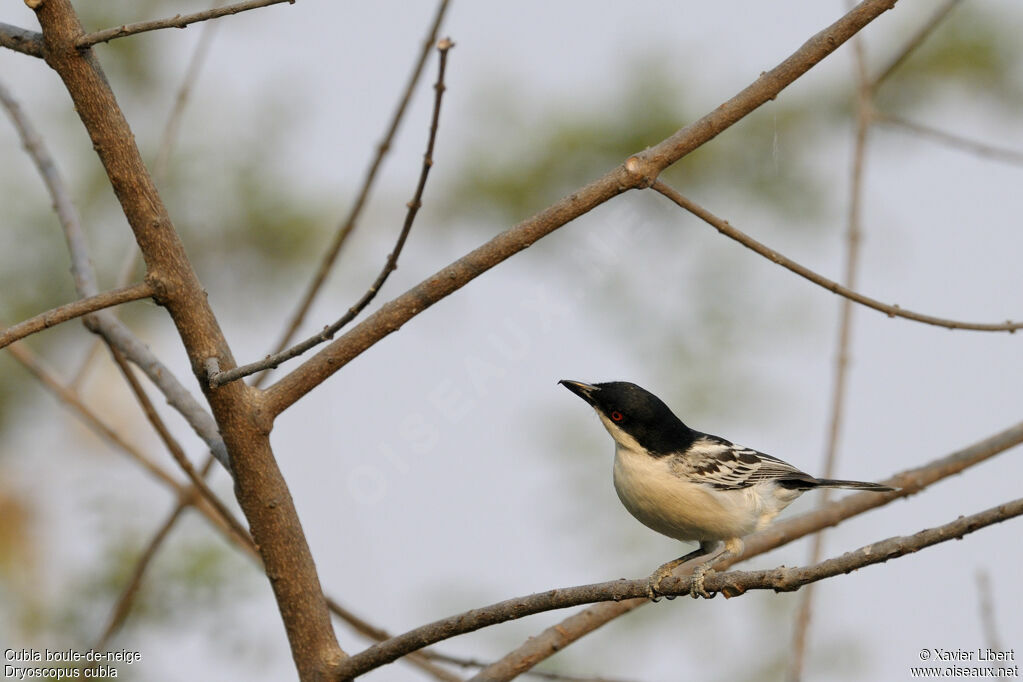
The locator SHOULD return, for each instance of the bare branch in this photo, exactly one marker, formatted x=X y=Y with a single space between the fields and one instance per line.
x=70 y=311
x=726 y=229
x=560 y=635
x=169 y=135
x=49 y=379
x=731 y=584
x=346 y=227
x=112 y=330
x=638 y=171
x=541 y=674
x=243 y=423
x=175 y=449
x=916 y=41
x=791 y=579
x=81 y=266
x=993 y=152
x=986 y=606
x=390 y=265
x=131 y=589
x=21 y=40
x=177 y=21
x=117 y=335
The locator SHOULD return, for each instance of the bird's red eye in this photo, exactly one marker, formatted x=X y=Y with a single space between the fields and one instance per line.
x=617 y=416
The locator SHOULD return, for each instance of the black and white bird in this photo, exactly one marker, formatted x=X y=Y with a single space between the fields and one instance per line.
x=692 y=486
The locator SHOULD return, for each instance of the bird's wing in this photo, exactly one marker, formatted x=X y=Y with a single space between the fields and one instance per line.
x=726 y=466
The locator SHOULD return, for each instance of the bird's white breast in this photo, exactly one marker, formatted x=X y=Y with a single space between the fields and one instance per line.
x=682 y=509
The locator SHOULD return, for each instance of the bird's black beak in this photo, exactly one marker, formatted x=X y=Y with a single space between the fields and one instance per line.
x=585 y=391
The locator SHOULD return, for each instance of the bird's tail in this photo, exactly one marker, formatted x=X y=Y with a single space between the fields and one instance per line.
x=854 y=485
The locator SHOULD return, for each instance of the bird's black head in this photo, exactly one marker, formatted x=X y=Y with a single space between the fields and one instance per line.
x=629 y=412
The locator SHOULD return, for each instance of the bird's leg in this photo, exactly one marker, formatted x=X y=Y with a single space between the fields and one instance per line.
x=732 y=548
x=664 y=571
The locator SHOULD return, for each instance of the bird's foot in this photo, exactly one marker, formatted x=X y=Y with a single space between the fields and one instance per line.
x=653 y=585
x=696 y=589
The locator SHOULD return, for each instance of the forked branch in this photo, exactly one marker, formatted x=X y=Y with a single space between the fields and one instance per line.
x=220 y=378
x=348 y=225
x=638 y=171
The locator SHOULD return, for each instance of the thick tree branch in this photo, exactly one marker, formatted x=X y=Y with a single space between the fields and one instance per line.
x=731 y=584
x=177 y=21
x=562 y=634
x=726 y=229
x=244 y=425
x=21 y=40
x=638 y=171
x=168 y=138
x=221 y=378
x=70 y=311
x=350 y=221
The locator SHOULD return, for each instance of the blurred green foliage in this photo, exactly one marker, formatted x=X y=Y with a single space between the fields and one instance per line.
x=536 y=156
x=973 y=56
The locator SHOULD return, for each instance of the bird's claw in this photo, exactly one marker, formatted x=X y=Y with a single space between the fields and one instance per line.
x=653 y=585
x=696 y=589
x=651 y=589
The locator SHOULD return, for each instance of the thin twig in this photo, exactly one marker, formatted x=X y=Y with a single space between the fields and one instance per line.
x=726 y=229
x=81 y=267
x=913 y=43
x=854 y=230
x=731 y=584
x=49 y=379
x=221 y=378
x=542 y=674
x=990 y=151
x=175 y=449
x=103 y=323
x=639 y=170
x=70 y=311
x=131 y=589
x=177 y=21
x=986 y=606
x=350 y=221
x=169 y=135
x=572 y=628
x=21 y=40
